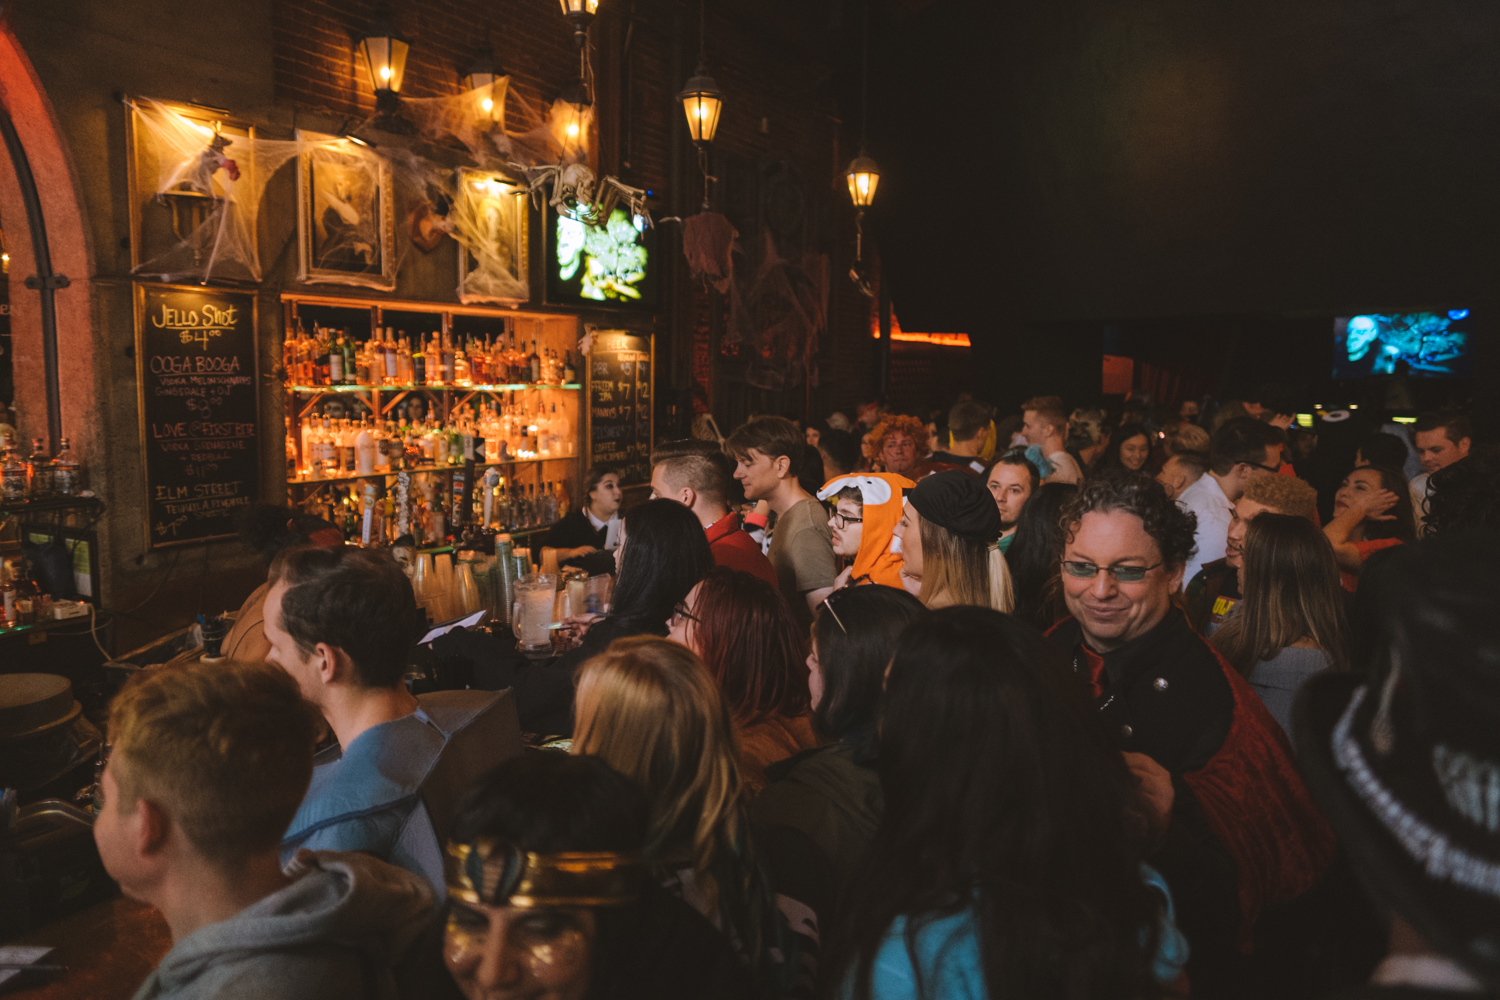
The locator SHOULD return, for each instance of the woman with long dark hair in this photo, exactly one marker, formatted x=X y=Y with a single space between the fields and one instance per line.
x=1129 y=450
x=1290 y=623
x=1372 y=510
x=822 y=807
x=1035 y=556
x=740 y=626
x=1008 y=861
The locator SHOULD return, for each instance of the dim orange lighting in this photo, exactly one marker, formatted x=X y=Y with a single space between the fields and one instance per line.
x=940 y=339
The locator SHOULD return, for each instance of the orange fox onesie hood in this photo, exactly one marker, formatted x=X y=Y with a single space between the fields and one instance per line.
x=882 y=492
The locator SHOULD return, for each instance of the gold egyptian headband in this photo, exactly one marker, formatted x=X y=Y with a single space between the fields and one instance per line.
x=493 y=873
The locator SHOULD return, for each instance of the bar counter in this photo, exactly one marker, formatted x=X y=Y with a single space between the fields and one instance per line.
x=108 y=950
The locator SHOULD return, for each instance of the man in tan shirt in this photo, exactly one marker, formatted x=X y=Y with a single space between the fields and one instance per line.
x=768 y=455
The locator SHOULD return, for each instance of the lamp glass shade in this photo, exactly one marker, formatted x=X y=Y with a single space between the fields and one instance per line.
x=864 y=177
x=385 y=56
x=701 y=102
x=573 y=8
x=489 y=91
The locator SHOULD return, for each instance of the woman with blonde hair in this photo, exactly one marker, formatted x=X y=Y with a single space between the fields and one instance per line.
x=651 y=710
x=948 y=533
x=1290 y=624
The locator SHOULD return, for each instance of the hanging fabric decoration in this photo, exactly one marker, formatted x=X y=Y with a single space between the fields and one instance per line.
x=708 y=243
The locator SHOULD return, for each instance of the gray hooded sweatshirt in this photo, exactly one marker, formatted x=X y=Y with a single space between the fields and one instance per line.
x=332 y=934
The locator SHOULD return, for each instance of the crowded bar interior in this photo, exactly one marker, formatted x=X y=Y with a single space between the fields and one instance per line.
x=849 y=499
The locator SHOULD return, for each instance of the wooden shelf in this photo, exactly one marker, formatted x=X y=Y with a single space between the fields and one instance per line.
x=317 y=390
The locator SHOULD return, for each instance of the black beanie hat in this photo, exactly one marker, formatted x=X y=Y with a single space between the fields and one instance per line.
x=958 y=502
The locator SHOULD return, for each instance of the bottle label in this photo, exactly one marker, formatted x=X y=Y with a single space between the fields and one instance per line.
x=336 y=367
x=13 y=484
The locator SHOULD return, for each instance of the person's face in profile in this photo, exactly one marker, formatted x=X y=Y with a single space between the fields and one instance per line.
x=519 y=953
x=847 y=533
x=909 y=530
x=1239 y=525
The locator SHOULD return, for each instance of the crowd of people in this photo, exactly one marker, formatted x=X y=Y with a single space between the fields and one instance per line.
x=1074 y=704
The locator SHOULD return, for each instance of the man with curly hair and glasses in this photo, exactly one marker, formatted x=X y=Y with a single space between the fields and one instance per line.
x=1239 y=832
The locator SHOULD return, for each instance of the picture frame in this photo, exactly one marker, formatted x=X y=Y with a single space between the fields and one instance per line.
x=346 y=227
x=164 y=225
x=492 y=226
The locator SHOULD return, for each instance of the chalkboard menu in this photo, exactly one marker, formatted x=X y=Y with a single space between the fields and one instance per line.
x=618 y=389
x=195 y=363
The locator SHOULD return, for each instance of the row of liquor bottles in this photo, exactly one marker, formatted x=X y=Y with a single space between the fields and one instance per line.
x=39 y=474
x=333 y=357
x=499 y=431
x=375 y=516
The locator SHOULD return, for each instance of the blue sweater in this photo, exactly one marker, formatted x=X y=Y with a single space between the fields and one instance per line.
x=952 y=968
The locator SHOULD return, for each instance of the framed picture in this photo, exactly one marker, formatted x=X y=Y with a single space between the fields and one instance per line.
x=613 y=266
x=346 y=231
x=181 y=198
x=491 y=226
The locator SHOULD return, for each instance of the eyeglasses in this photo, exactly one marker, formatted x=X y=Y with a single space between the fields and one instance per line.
x=828 y=601
x=1265 y=468
x=1122 y=574
x=844 y=520
x=679 y=613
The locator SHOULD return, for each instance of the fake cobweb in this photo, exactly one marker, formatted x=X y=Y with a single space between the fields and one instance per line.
x=217 y=179
x=776 y=312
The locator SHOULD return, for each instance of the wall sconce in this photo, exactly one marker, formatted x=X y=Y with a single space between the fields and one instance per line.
x=492 y=85
x=579 y=13
x=385 y=57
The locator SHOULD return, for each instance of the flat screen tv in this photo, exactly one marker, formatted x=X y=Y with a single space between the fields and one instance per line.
x=1437 y=344
x=613 y=266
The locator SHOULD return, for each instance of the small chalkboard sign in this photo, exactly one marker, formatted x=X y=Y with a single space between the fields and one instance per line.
x=196 y=368
x=618 y=390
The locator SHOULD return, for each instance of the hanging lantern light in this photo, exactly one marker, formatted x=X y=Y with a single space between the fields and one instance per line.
x=385 y=57
x=701 y=102
x=863 y=175
x=491 y=85
x=579 y=13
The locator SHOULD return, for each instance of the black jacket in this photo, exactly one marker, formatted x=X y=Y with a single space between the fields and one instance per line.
x=574 y=530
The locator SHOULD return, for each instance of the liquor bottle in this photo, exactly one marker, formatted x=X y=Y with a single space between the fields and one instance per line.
x=365 y=363
x=535 y=361
x=67 y=471
x=419 y=364
x=39 y=469
x=12 y=474
x=364 y=450
x=461 y=372
x=351 y=376
x=392 y=358
x=569 y=374
x=403 y=363
x=289 y=355
x=291 y=452
x=306 y=366
x=446 y=347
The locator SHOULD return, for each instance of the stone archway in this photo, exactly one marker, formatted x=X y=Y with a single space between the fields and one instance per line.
x=71 y=254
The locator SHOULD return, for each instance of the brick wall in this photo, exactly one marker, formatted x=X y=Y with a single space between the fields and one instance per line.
x=768 y=58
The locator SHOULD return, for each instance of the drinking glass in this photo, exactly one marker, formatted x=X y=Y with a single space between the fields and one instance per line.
x=532 y=621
